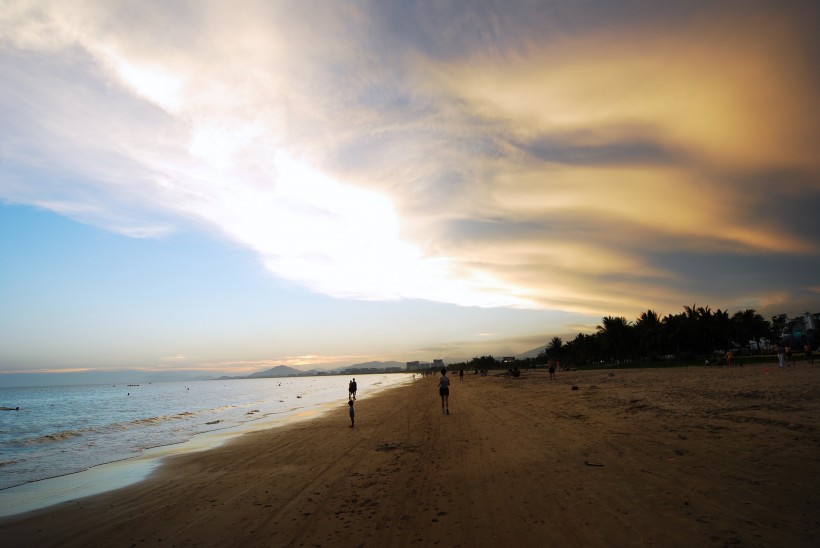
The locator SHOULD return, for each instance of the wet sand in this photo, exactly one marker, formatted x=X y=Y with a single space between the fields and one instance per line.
x=665 y=457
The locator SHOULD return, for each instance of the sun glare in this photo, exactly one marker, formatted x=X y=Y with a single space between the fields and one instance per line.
x=152 y=83
x=341 y=240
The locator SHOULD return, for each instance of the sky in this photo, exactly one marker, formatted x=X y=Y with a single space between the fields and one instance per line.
x=230 y=186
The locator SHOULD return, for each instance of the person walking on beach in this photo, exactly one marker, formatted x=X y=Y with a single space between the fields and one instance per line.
x=444 y=392
x=807 y=353
x=552 y=371
x=781 y=354
x=352 y=413
x=461 y=374
x=351 y=389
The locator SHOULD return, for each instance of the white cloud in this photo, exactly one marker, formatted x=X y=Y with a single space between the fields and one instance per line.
x=346 y=159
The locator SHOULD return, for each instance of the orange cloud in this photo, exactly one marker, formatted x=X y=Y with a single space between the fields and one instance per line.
x=730 y=93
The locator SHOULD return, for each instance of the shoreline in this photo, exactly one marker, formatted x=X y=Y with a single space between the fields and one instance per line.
x=110 y=476
x=686 y=457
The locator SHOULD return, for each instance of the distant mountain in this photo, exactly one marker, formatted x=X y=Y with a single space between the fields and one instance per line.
x=374 y=365
x=532 y=353
x=278 y=371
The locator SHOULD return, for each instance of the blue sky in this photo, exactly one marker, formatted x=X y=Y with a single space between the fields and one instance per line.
x=85 y=298
x=220 y=187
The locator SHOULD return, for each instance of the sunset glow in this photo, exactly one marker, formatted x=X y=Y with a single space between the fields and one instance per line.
x=262 y=182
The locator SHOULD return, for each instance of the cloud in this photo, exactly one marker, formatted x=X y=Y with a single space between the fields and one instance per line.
x=493 y=156
x=624 y=142
x=304 y=362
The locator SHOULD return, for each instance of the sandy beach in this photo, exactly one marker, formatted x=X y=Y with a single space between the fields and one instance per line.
x=659 y=457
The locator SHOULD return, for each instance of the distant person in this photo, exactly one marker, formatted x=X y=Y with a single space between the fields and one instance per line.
x=781 y=354
x=788 y=355
x=444 y=392
x=807 y=353
x=351 y=389
x=461 y=374
x=552 y=371
x=352 y=413
x=730 y=358
x=355 y=387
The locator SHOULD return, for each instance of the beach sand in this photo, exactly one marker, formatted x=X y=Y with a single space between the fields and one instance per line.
x=658 y=457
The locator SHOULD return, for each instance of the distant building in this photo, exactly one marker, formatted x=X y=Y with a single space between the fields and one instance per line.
x=798 y=331
x=424 y=366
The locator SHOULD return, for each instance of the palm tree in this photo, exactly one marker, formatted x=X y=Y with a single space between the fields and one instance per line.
x=648 y=332
x=706 y=329
x=616 y=337
x=554 y=348
x=583 y=349
x=722 y=329
x=698 y=327
x=675 y=334
x=748 y=326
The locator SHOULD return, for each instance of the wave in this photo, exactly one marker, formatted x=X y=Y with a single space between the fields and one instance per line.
x=96 y=430
x=126 y=425
x=151 y=420
x=47 y=438
x=66 y=435
x=223 y=407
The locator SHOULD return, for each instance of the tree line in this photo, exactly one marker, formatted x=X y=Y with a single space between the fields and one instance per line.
x=697 y=331
x=694 y=332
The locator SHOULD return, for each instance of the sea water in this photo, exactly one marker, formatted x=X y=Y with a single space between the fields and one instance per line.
x=61 y=430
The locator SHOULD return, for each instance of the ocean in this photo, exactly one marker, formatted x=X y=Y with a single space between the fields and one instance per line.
x=61 y=430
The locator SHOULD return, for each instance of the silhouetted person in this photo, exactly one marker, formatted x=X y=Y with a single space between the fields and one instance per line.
x=444 y=392
x=781 y=354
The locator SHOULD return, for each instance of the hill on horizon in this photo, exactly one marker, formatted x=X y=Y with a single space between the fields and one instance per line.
x=278 y=371
x=532 y=353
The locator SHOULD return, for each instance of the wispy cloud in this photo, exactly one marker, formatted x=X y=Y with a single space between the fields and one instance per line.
x=298 y=362
x=47 y=371
x=484 y=157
